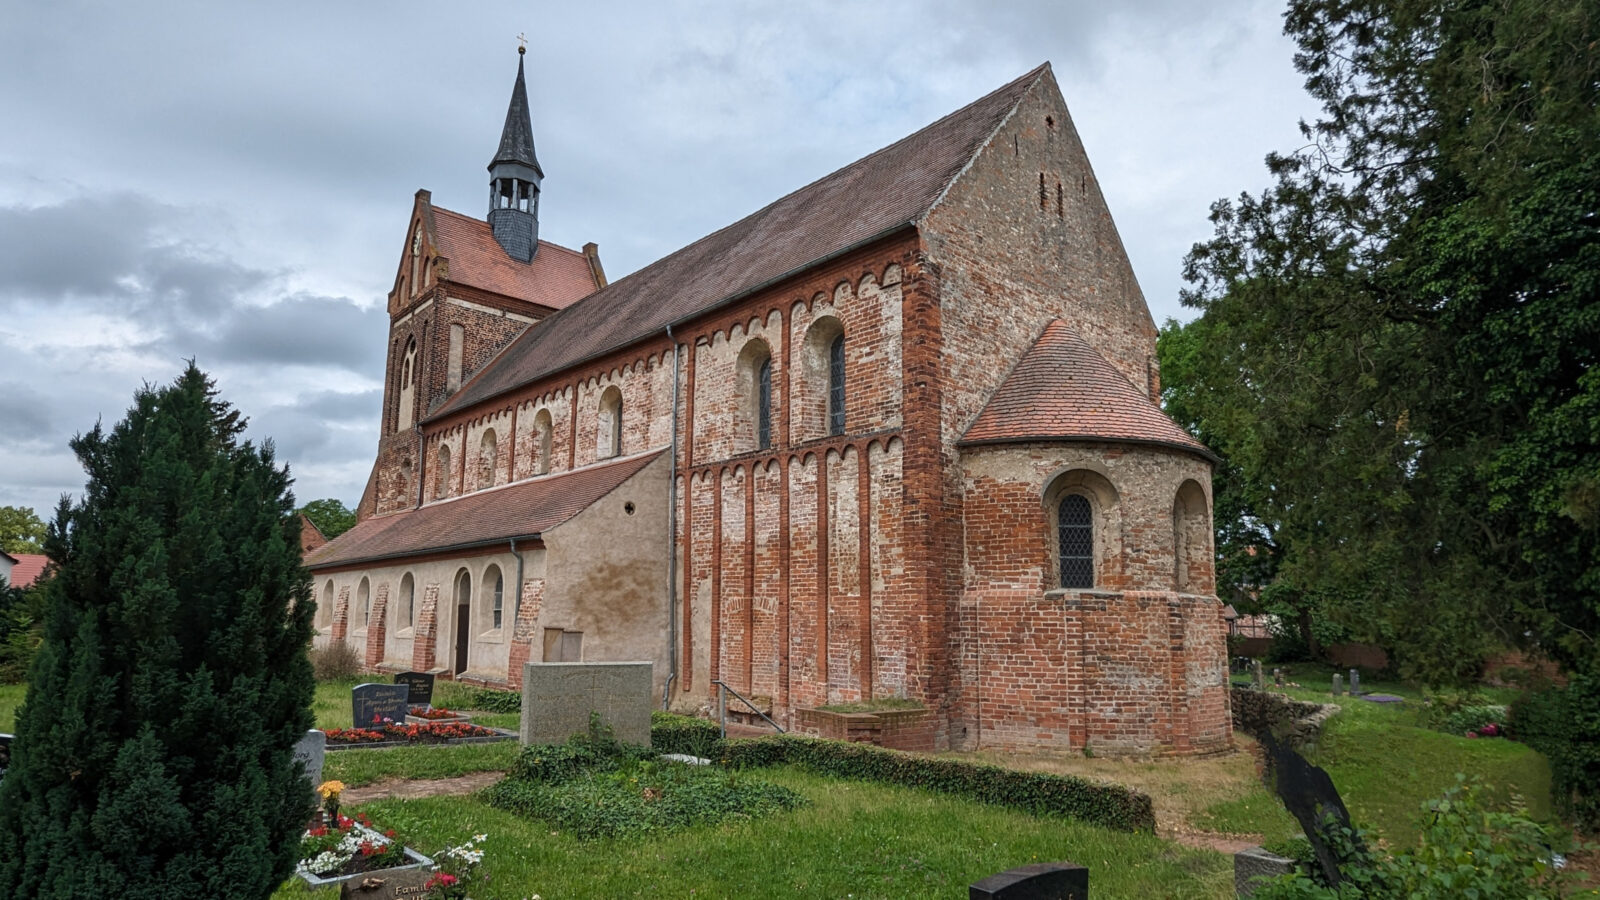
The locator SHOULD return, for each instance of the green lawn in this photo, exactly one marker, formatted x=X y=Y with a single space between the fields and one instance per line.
x=852 y=839
x=10 y=698
x=1386 y=765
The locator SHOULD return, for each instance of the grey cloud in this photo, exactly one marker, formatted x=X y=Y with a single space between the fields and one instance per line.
x=25 y=414
x=303 y=329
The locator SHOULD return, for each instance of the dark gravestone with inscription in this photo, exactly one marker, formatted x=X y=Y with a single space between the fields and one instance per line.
x=389 y=884
x=1040 y=881
x=5 y=754
x=372 y=703
x=1308 y=794
x=421 y=685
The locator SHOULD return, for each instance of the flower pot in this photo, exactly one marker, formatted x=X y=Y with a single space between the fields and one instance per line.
x=416 y=862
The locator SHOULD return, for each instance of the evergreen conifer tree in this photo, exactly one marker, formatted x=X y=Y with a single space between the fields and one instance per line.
x=154 y=752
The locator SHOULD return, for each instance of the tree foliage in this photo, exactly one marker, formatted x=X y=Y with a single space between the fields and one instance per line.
x=154 y=751
x=331 y=516
x=21 y=530
x=1398 y=340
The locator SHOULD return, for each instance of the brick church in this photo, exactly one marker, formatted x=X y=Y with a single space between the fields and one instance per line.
x=894 y=435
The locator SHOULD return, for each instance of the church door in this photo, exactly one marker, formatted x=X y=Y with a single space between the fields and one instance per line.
x=463 y=619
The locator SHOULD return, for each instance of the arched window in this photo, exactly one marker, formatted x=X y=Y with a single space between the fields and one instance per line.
x=609 y=437
x=1075 y=535
x=836 y=385
x=822 y=402
x=1084 y=523
x=754 y=370
x=496 y=584
x=325 y=608
x=405 y=607
x=363 y=604
x=542 y=429
x=487 y=460
x=441 y=477
x=1192 y=565
x=407 y=399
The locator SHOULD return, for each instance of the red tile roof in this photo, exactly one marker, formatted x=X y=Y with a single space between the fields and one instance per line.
x=525 y=509
x=1063 y=389
x=556 y=278
x=28 y=568
x=867 y=199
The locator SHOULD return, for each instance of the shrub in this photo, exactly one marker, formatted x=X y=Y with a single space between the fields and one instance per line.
x=154 y=754
x=1107 y=805
x=1465 y=850
x=1564 y=725
x=336 y=662
x=672 y=733
x=490 y=700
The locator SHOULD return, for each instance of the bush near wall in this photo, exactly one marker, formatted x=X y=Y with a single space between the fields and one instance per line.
x=672 y=733
x=1564 y=725
x=1106 y=805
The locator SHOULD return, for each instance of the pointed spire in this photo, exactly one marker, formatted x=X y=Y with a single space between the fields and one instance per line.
x=516 y=139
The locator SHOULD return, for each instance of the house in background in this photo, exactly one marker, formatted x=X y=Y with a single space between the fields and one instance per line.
x=22 y=569
x=894 y=435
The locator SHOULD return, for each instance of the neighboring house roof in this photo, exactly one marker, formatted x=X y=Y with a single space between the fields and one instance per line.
x=311 y=537
x=28 y=568
x=556 y=278
x=1063 y=389
x=526 y=509
x=865 y=200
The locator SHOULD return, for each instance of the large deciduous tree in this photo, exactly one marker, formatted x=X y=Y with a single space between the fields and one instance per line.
x=154 y=752
x=21 y=530
x=1401 y=332
x=330 y=515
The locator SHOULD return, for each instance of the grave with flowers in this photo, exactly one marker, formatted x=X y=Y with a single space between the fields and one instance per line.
x=383 y=717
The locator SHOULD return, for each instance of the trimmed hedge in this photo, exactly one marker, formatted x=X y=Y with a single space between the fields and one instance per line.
x=1564 y=725
x=672 y=733
x=1106 y=805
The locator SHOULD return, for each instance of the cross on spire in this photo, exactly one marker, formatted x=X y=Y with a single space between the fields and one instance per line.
x=522 y=43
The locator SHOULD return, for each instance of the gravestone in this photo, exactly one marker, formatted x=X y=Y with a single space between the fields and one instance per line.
x=1309 y=795
x=1383 y=698
x=378 y=701
x=1338 y=684
x=5 y=754
x=421 y=685
x=1255 y=671
x=389 y=884
x=1277 y=678
x=1039 y=881
x=1253 y=865
x=558 y=697
x=1355 y=682
x=311 y=748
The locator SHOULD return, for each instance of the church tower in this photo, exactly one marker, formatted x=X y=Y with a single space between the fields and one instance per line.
x=514 y=177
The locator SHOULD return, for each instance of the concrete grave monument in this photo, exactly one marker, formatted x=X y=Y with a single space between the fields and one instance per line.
x=421 y=685
x=558 y=697
x=372 y=703
x=311 y=749
x=1338 y=684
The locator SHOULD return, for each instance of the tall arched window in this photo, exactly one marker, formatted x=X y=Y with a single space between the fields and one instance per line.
x=836 y=385
x=407 y=399
x=325 y=607
x=488 y=448
x=1075 y=534
x=496 y=583
x=405 y=609
x=609 y=437
x=821 y=408
x=542 y=429
x=363 y=603
x=754 y=368
x=441 y=475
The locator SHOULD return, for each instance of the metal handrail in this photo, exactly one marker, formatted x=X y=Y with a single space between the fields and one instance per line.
x=722 y=707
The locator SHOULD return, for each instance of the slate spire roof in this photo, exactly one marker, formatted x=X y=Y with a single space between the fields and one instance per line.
x=516 y=139
x=1063 y=389
x=869 y=199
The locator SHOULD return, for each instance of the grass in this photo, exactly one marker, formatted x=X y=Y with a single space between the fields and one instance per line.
x=851 y=839
x=361 y=767
x=11 y=697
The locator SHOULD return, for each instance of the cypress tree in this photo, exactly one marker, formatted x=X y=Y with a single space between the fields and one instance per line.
x=154 y=751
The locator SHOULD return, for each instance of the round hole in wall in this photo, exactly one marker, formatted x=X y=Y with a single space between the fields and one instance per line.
x=628 y=507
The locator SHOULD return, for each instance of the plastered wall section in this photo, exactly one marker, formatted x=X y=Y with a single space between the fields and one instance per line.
x=607 y=575
x=1133 y=666
x=415 y=626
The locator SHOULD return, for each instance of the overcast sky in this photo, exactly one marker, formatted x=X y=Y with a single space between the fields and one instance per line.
x=231 y=182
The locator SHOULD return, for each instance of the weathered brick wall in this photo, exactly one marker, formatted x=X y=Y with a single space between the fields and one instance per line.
x=1008 y=264
x=1134 y=666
